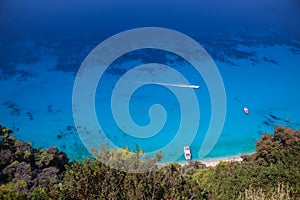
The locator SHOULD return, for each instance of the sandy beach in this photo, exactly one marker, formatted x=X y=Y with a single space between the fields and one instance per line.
x=211 y=163
x=214 y=162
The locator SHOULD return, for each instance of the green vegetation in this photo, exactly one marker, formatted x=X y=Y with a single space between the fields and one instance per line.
x=126 y=160
x=275 y=162
x=272 y=172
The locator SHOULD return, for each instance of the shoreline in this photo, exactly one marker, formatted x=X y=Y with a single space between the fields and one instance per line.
x=214 y=162
x=211 y=162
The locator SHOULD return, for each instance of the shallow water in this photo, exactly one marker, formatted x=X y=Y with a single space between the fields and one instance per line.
x=258 y=64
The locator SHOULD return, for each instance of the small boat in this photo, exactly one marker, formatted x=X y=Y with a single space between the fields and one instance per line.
x=246 y=111
x=187 y=153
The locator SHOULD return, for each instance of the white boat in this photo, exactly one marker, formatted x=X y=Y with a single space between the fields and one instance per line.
x=187 y=153
x=246 y=110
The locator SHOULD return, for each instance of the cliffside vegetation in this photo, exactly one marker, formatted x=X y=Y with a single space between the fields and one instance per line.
x=272 y=172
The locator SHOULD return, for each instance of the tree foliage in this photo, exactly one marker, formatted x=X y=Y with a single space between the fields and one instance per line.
x=271 y=172
x=20 y=163
x=276 y=161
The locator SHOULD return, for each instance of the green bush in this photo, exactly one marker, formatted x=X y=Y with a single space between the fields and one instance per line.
x=14 y=191
x=42 y=158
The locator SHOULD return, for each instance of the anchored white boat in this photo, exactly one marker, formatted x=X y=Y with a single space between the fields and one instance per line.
x=187 y=153
x=246 y=110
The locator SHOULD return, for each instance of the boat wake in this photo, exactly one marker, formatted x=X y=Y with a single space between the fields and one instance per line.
x=174 y=85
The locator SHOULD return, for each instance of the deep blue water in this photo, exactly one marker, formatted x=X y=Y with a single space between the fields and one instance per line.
x=255 y=45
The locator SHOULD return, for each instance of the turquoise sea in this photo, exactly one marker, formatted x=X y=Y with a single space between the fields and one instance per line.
x=255 y=46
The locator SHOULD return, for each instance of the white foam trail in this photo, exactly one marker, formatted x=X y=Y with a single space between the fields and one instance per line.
x=175 y=85
x=179 y=85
